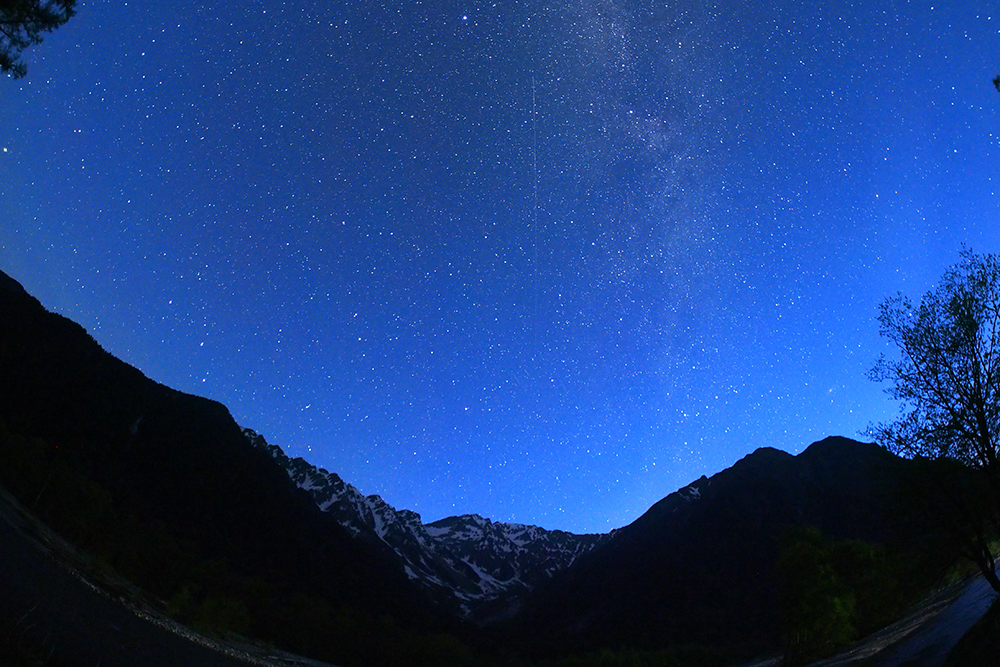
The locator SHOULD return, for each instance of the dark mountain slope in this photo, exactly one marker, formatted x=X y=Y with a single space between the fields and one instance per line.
x=700 y=566
x=476 y=566
x=165 y=486
x=167 y=489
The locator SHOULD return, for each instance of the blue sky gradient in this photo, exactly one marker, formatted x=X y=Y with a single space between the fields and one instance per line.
x=541 y=262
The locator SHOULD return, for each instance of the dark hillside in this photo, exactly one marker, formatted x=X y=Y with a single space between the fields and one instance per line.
x=701 y=566
x=165 y=487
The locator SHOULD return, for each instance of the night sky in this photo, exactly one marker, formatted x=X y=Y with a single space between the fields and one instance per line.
x=542 y=261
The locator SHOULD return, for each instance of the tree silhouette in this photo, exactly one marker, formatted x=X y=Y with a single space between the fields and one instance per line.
x=947 y=379
x=22 y=23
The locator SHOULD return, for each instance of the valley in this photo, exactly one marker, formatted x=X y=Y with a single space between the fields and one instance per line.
x=224 y=533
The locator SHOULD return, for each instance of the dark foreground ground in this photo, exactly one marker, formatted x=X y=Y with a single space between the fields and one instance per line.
x=931 y=644
x=51 y=616
x=926 y=636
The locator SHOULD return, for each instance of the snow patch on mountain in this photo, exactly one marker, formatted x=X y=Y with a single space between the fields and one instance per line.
x=469 y=559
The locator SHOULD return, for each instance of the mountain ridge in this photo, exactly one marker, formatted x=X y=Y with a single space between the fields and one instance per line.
x=206 y=515
x=663 y=578
x=163 y=487
x=480 y=565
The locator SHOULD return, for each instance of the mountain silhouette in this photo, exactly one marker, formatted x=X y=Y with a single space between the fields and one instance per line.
x=700 y=566
x=227 y=534
x=165 y=487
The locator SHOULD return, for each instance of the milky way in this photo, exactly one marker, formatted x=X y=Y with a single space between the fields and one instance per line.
x=542 y=262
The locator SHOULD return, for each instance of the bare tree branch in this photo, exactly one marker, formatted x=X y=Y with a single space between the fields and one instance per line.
x=947 y=380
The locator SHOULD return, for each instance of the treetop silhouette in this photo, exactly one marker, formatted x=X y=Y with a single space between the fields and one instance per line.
x=22 y=23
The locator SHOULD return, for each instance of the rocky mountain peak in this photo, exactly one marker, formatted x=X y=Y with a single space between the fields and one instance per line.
x=468 y=560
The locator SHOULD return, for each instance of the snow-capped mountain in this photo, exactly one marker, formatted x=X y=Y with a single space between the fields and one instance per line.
x=484 y=565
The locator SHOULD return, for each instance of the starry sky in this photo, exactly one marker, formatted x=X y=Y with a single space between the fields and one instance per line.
x=542 y=261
